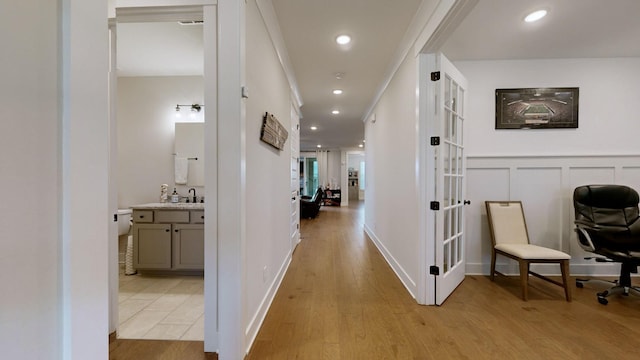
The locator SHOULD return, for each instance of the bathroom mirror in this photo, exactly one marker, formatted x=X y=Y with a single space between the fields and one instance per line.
x=189 y=145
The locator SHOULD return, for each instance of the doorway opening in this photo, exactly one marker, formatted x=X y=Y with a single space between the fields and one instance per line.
x=355 y=176
x=159 y=72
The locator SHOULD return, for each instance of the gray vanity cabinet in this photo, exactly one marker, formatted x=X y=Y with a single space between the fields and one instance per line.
x=152 y=246
x=188 y=247
x=170 y=240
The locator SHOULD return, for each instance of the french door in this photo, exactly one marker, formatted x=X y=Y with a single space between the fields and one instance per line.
x=294 y=222
x=445 y=178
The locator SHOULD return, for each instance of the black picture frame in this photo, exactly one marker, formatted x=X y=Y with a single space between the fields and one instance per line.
x=537 y=108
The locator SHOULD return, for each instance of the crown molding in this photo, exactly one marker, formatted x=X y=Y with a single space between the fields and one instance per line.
x=268 y=13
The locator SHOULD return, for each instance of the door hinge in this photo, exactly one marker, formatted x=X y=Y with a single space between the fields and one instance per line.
x=435 y=76
x=434 y=270
x=435 y=140
x=434 y=205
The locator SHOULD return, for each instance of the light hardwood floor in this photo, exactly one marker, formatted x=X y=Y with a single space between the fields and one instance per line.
x=340 y=300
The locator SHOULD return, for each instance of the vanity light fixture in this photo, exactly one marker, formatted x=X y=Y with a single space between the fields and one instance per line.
x=535 y=16
x=194 y=107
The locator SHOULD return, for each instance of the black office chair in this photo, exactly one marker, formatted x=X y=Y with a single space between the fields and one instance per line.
x=607 y=223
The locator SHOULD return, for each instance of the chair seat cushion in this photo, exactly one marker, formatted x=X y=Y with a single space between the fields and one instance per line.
x=531 y=252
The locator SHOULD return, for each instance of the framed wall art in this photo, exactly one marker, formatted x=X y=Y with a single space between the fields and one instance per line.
x=537 y=108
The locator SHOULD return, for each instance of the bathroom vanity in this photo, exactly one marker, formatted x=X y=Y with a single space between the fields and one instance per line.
x=168 y=237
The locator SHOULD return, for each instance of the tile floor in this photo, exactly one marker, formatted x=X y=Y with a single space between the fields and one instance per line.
x=161 y=307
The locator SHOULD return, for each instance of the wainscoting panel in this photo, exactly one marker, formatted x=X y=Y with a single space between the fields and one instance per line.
x=539 y=191
x=493 y=184
x=630 y=175
x=545 y=185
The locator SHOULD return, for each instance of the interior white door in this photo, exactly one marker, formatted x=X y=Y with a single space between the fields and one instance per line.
x=295 y=178
x=446 y=161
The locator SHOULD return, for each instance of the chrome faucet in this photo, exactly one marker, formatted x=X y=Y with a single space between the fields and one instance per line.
x=194 y=194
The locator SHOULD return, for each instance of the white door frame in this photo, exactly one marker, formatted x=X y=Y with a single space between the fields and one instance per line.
x=207 y=10
x=429 y=229
x=446 y=17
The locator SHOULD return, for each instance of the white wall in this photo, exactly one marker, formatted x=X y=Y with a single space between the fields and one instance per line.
x=146 y=133
x=29 y=158
x=542 y=167
x=54 y=157
x=607 y=106
x=391 y=207
x=353 y=161
x=268 y=245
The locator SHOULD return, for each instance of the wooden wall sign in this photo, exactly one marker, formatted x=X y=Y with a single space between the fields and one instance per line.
x=273 y=133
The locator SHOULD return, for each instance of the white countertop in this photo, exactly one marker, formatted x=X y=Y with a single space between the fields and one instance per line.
x=169 y=206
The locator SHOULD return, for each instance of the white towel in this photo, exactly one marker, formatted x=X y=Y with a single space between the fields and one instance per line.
x=181 y=170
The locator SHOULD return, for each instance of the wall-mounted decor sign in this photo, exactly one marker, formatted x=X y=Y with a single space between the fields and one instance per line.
x=537 y=108
x=273 y=133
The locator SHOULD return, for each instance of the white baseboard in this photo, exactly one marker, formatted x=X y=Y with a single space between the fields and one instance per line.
x=406 y=280
x=258 y=318
x=595 y=269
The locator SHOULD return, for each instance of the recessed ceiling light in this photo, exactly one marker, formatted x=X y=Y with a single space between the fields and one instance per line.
x=337 y=92
x=343 y=39
x=314 y=128
x=360 y=145
x=535 y=16
x=335 y=112
x=318 y=146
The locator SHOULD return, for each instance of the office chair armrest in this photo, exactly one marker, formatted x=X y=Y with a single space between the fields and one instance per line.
x=584 y=239
x=634 y=229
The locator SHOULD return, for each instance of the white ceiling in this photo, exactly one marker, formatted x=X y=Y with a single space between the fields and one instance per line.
x=492 y=30
x=159 y=49
x=309 y=29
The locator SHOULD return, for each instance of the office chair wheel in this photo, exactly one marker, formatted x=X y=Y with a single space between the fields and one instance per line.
x=602 y=300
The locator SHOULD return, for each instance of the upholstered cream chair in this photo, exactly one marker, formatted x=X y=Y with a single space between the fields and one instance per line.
x=510 y=238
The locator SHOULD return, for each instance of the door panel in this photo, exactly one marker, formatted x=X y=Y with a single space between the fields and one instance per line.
x=447 y=164
x=295 y=179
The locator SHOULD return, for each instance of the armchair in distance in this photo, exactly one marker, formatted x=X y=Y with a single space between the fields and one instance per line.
x=310 y=206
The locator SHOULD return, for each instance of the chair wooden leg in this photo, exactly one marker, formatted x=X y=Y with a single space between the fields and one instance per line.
x=493 y=263
x=524 y=279
x=564 y=268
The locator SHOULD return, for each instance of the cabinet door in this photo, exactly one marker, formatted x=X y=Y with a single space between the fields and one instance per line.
x=188 y=247
x=152 y=246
